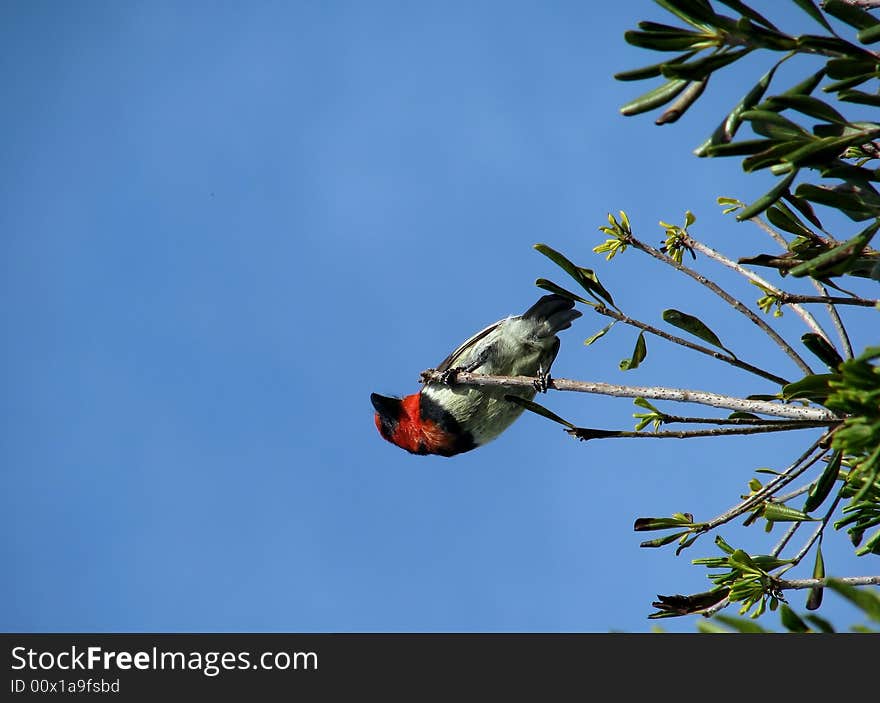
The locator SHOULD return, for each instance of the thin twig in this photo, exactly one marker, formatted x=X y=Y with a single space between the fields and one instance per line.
x=789 y=533
x=714 y=353
x=586 y=433
x=780 y=240
x=835 y=320
x=796 y=492
x=817 y=534
x=681 y=395
x=667 y=419
x=798 y=584
x=786 y=298
x=724 y=295
x=832 y=311
x=801 y=464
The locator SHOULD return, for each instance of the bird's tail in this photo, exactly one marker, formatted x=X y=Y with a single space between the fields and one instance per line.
x=556 y=311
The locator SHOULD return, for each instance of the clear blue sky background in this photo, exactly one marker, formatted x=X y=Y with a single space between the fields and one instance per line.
x=225 y=224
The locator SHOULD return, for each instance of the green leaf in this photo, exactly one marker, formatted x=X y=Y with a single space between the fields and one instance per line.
x=638 y=355
x=814 y=600
x=742 y=561
x=781 y=216
x=869 y=35
x=809 y=42
x=868 y=601
x=838 y=257
x=694 y=326
x=766 y=200
x=819 y=491
x=664 y=41
x=585 y=277
x=820 y=623
x=791 y=621
x=852 y=15
x=849 y=67
x=822 y=348
x=858 y=204
x=807 y=105
x=660 y=95
x=828 y=147
x=772 y=124
x=538 y=409
x=601 y=333
x=662 y=541
x=774 y=155
x=777 y=512
x=681 y=104
x=722 y=545
x=695 y=12
x=652 y=71
x=559 y=290
x=743 y=147
x=808 y=85
x=860 y=97
x=728 y=128
x=747 y=11
x=702 y=68
x=643 y=403
x=810 y=8
x=646 y=524
x=814 y=387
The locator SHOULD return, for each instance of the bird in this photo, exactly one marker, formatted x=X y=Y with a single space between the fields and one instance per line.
x=446 y=419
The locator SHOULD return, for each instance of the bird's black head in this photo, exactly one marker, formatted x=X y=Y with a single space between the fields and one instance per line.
x=388 y=412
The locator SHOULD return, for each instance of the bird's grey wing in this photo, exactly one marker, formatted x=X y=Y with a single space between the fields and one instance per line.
x=449 y=361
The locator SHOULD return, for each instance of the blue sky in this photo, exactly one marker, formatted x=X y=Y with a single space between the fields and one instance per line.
x=225 y=224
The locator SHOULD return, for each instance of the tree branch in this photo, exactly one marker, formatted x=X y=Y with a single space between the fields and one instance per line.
x=794 y=412
x=585 y=433
x=714 y=353
x=799 y=584
x=724 y=295
x=786 y=298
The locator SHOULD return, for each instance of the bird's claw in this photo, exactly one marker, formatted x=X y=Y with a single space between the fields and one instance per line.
x=542 y=382
x=448 y=376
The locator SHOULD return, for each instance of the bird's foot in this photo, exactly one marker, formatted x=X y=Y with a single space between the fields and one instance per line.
x=542 y=382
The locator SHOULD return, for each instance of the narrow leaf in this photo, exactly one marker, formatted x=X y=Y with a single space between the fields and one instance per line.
x=777 y=512
x=747 y=11
x=638 y=355
x=701 y=68
x=782 y=217
x=869 y=35
x=846 y=252
x=791 y=621
x=601 y=333
x=766 y=200
x=681 y=104
x=559 y=290
x=808 y=105
x=822 y=348
x=814 y=387
x=646 y=524
x=819 y=491
x=728 y=128
x=694 y=326
x=585 y=277
x=661 y=541
x=814 y=600
x=810 y=8
x=638 y=74
x=868 y=601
